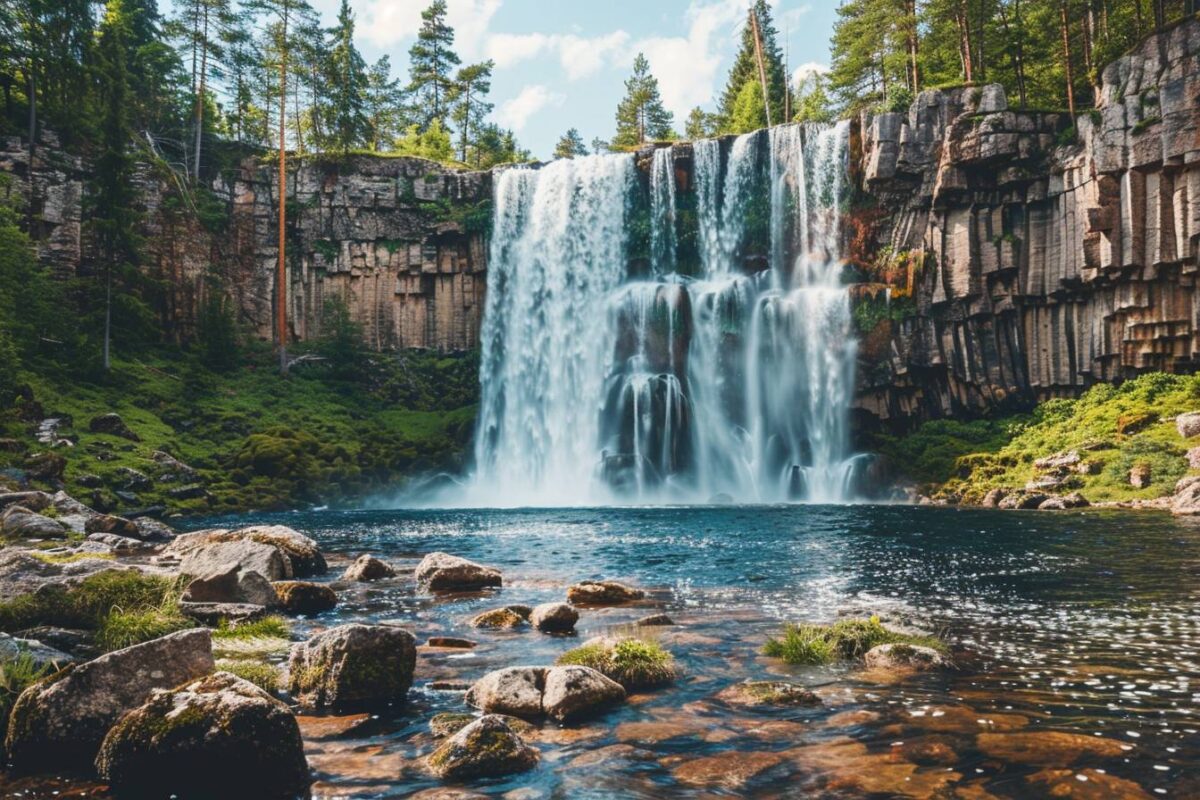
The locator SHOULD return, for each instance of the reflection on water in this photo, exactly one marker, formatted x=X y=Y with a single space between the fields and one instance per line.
x=1079 y=633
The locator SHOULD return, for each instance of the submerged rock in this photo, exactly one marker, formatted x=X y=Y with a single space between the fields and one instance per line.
x=572 y=692
x=654 y=621
x=353 y=664
x=602 y=593
x=904 y=657
x=767 y=693
x=368 y=568
x=505 y=618
x=450 y=641
x=220 y=736
x=554 y=618
x=444 y=572
x=58 y=723
x=487 y=747
x=304 y=597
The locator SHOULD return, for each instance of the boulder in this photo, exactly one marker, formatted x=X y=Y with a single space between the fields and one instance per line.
x=506 y=618
x=302 y=556
x=121 y=545
x=654 y=621
x=1020 y=500
x=450 y=642
x=904 y=657
x=1064 y=502
x=192 y=491
x=133 y=480
x=562 y=692
x=58 y=723
x=113 y=425
x=1140 y=476
x=152 y=530
x=444 y=572
x=1193 y=458
x=169 y=464
x=554 y=618
x=230 y=583
x=34 y=501
x=368 y=568
x=1186 y=500
x=571 y=692
x=1188 y=424
x=993 y=497
x=219 y=736
x=219 y=557
x=21 y=522
x=107 y=523
x=305 y=597
x=1058 y=461
x=512 y=690
x=487 y=747
x=602 y=593
x=353 y=664
x=45 y=467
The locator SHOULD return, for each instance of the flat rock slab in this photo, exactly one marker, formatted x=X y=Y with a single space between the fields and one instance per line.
x=444 y=572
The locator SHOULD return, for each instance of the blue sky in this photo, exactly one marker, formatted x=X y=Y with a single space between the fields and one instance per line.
x=562 y=63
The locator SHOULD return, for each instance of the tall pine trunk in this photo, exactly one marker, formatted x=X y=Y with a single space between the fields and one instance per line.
x=281 y=272
x=1066 y=43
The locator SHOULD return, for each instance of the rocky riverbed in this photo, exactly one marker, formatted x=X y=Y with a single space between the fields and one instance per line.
x=591 y=653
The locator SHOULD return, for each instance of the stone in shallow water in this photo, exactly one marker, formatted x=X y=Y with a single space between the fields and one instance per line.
x=572 y=692
x=368 y=568
x=554 y=618
x=732 y=770
x=485 y=748
x=450 y=642
x=1087 y=784
x=1046 y=748
x=220 y=736
x=928 y=751
x=768 y=693
x=353 y=664
x=654 y=620
x=450 y=722
x=513 y=690
x=905 y=657
x=506 y=618
x=602 y=593
x=305 y=597
x=444 y=572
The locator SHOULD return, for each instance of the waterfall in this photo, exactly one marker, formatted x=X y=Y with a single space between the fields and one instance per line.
x=727 y=371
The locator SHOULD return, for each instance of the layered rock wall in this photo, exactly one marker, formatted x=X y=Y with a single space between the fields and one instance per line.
x=1035 y=259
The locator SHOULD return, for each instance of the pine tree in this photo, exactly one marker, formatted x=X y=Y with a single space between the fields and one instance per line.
x=745 y=66
x=384 y=106
x=812 y=101
x=113 y=215
x=469 y=106
x=748 y=112
x=570 y=145
x=701 y=125
x=347 y=86
x=431 y=60
x=641 y=115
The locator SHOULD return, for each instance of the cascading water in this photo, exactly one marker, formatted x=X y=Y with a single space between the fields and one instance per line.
x=726 y=371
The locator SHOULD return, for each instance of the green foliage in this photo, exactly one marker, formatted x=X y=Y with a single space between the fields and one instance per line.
x=272 y=627
x=263 y=675
x=216 y=332
x=641 y=116
x=341 y=342
x=745 y=69
x=16 y=675
x=748 y=112
x=570 y=145
x=345 y=99
x=1113 y=427
x=701 y=125
x=868 y=312
x=433 y=142
x=123 y=607
x=469 y=106
x=846 y=639
x=633 y=663
x=431 y=61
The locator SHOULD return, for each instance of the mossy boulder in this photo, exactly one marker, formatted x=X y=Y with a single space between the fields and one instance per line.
x=603 y=593
x=58 y=723
x=506 y=618
x=20 y=522
x=305 y=597
x=441 y=572
x=904 y=657
x=353 y=665
x=220 y=736
x=487 y=747
x=449 y=723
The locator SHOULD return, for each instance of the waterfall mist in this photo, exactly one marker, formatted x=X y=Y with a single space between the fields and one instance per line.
x=647 y=341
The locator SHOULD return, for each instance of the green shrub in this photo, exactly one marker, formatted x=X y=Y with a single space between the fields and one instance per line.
x=633 y=663
x=846 y=639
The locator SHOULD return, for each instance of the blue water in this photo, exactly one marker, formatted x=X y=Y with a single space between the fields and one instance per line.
x=1082 y=622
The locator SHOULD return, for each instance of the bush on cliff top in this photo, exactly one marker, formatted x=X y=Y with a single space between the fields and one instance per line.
x=969 y=458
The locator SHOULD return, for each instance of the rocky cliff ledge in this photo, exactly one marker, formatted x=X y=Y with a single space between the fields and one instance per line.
x=1018 y=257
x=402 y=241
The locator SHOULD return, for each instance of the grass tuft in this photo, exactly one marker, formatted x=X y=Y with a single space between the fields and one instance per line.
x=846 y=639
x=16 y=674
x=272 y=627
x=263 y=675
x=633 y=663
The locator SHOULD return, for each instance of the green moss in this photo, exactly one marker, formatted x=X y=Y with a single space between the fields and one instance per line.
x=70 y=558
x=260 y=673
x=633 y=663
x=845 y=639
x=120 y=628
x=1113 y=427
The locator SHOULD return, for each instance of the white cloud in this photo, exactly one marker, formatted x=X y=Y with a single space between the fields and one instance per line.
x=805 y=71
x=515 y=113
x=387 y=23
x=580 y=56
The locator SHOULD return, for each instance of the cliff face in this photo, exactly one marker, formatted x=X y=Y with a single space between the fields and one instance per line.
x=401 y=241
x=1024 y=259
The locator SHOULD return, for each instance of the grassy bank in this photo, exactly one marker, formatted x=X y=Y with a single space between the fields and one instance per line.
x=1115 y=429
x=256 y=440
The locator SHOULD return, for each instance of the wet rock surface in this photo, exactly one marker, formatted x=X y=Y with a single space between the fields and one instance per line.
x=353 y=664
x=603 y=593
x=444 y=572
x=485 y=748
